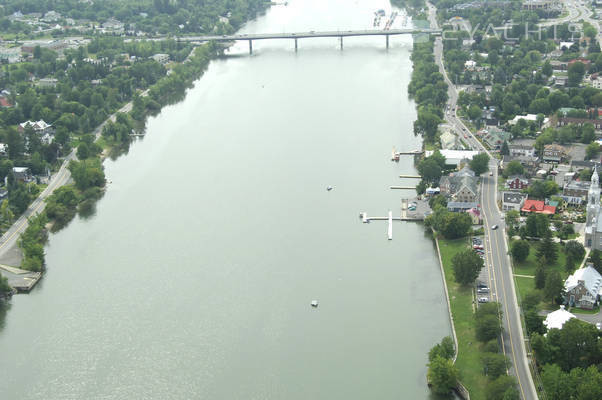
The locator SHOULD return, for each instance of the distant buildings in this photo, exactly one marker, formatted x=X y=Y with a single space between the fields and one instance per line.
x=455 y=157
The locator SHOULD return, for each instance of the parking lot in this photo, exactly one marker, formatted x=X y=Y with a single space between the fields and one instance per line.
x=483 y=291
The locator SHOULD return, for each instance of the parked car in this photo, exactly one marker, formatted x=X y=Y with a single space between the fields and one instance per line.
x=494 y=227
x=483 y=290
x=483 y=300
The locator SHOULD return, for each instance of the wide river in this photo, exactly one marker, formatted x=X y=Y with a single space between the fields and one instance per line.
x=194 y=278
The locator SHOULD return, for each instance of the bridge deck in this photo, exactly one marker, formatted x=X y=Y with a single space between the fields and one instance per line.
x=311 y=34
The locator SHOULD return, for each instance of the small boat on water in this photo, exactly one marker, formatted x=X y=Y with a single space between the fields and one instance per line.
x=329 y=188
x=394 y=155
x=314 y=303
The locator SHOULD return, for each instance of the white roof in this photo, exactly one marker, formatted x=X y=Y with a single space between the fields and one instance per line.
x=590 y=277
x=566 y=44
x=455 y=154
x=557 y=318
x=528 y=117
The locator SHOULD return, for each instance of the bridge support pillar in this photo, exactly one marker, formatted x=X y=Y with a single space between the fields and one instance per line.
x=387 y=36
x=341 y=42
x=250 y=46
x=295 y=44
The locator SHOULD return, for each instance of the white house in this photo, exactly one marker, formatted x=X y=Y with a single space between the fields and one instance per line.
x=455 y=157
x=584 y=287
x=556 y=319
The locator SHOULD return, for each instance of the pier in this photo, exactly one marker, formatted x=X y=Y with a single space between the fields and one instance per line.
x=411 y=176
x=403 y=187
x=19 y=279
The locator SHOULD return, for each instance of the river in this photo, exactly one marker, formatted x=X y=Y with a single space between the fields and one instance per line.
x=194 y=277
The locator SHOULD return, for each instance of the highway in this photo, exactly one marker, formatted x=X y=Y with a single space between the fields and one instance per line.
x=501 y=281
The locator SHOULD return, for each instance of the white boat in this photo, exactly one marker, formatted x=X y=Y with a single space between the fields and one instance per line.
x=314 y=303
x=329 y=188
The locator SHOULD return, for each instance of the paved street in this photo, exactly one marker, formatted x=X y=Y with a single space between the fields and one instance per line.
x=501 y=282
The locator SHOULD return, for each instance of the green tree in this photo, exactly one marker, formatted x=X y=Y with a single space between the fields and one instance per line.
x=444 y=349
x=437 y=201
x=540 y=277
x=494 y=364
x=520 y=250
x=466 y=265
x=501 y=388
x=4 y=286
x=534 y=322
x=480 y=163
x=547 y=249
x=554 y=286
x=430 y=170
x=442 y=375
x=487 y=322
x=82 y=151
x=576 y=72
x=514 y=168
x=592 y=150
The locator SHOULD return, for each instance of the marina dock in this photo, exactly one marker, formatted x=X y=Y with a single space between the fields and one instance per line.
x=411 y=176
x=403 y=187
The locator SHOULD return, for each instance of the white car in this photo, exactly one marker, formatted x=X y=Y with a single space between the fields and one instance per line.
x=483 y=300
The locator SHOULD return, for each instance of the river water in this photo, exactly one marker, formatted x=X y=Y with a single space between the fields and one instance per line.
x=194 y=278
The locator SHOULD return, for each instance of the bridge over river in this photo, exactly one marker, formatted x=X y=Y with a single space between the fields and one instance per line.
x=311 y=34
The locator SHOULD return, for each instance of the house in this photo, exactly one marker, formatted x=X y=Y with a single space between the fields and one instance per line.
x=580 y=121
x=553 y=153
x=581 y=165
x=448 y=140
x=513 y=200
x=538 y=207
x=558 y=66
x=455 y=157
x=461 y=206
x=5 y=103
x=561 y=80
x=3 y=149
x=556 y=319
x=528 y=117
x=460 y=186
x=22 y=174
x=575 y=192
x=40 y=127
x=541 y=5
x=583 y=288
x=530 y=163
x=470 y=65
x=581 y=60
x=517 y=183
x=475 y=216
x=494 y=138
x=161 y=58
x=47 y=82
x=596 y=81
x=521 y=150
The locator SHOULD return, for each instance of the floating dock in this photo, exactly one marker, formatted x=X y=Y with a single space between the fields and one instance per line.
x=390 y=231
x=403 y=187
x=411 y=176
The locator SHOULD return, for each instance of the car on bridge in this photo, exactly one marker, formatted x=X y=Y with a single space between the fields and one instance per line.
x=494 y=227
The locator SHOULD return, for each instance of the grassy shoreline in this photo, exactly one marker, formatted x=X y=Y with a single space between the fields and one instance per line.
x=461 y=302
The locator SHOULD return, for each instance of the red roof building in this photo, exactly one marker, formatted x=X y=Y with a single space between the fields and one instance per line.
x=4 y=103
x=538 y=207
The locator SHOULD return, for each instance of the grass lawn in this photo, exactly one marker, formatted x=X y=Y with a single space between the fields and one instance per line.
x=528 y=266
x=468 y=361
x=576 y=310
x=523 y=286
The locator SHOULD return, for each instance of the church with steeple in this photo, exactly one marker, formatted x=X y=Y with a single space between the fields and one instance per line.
x=593 y=223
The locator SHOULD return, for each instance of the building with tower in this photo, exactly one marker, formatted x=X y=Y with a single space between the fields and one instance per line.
x=593 y=222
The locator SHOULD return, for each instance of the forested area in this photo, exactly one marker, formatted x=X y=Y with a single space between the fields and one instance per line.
x=151 y=16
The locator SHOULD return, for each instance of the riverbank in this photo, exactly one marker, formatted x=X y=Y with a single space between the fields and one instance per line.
x=461 y=307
